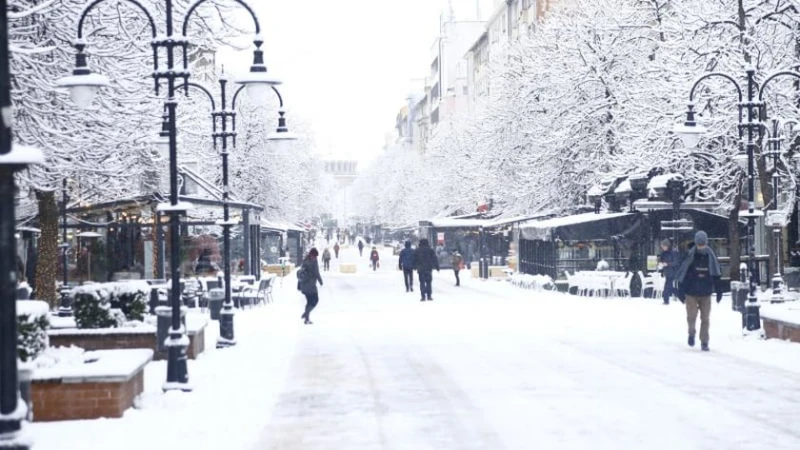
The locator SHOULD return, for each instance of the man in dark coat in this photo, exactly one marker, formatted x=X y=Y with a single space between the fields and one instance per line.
x=360 y=248
x=425 y=261
x=406 y=264
x=697 y=278
x=307 y=279
x=669 y=259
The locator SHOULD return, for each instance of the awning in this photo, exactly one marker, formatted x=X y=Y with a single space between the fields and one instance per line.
x=569 y=227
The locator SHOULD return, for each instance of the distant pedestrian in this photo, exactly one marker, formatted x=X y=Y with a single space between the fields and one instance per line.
x=336 y=250
x=375 y=258
x=457 y=261
x=326 y=260
x=425 y=261
x=307 y=278
x=697 y=278
x=406 y=264
x=668 y=262
x=360 y=248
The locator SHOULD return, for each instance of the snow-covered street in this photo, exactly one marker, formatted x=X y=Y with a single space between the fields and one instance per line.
x=484 y=366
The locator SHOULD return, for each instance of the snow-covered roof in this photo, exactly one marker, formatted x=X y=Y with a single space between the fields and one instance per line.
x=455 y=222
x=624 y=187
x=660 y=181
x=543 y=229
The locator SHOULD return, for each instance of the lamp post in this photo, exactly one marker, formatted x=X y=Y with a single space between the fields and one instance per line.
x=751 y=111
x=83 y=84
x=64 y=243
x=226 y=329
x=13 y=158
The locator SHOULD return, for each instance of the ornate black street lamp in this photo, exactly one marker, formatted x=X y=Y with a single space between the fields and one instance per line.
x=226 y=328
x=83 y=84
x=13 y=158
x=752 y=113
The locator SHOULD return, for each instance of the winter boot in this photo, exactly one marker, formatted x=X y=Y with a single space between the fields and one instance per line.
x=691 y=340
x=704 y=346
x=308 y=322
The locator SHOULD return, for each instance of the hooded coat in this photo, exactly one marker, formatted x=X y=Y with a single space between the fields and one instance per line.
x=425 y=259
x=309 y=284
x=407 y=257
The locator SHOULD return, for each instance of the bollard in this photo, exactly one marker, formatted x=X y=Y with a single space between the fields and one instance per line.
x=164 y=314
x=65 y=303
x=216 y=297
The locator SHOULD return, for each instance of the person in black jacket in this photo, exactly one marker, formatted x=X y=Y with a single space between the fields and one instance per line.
x=668 y=260
x=697 y=278
x=406 y=264
x=308 y=276
x=425 y=261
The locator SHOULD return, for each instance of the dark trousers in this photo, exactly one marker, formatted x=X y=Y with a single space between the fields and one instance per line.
x=326 y=264
x=425 y=280
x=408 y=277
x=374 y=265
x=669 y=288
x=361 y=252
x=311 y=303
x=458 y=280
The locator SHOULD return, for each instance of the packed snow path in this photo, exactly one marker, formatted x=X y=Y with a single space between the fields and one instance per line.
x=476 y=369
x=483 y=366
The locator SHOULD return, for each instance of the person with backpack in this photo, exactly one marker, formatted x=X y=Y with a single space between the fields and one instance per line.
x=697 y=278
x=406 y=264
x=307 y=278
x=375 y=258
x=336 y=249
x=326 y=260
x=425 y=261
x=457 y=260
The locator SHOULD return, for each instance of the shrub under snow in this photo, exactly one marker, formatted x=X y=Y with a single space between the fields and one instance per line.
x=109 y=305
x=32 y=325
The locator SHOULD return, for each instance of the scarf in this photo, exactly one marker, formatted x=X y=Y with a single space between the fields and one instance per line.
x=713 y=264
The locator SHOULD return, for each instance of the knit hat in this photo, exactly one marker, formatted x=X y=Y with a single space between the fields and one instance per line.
x=313 y=253
x=665 y=243
x=701 y=238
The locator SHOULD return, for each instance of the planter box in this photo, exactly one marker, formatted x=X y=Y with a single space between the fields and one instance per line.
x=278 y=270
x=196 y=331
x=494 y=271
x=105 y=338
x=104 y=388
x=781 y=322
x=348 y=268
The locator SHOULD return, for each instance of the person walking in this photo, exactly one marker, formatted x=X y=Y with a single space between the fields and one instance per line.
x=375 y=258
x=360 y=248
x=326 y=260
x=668 y=261
x=697 y=278
x=336 y=249
x=457 y=260
x=425 y=261
x=307 y=278
x=406 y=264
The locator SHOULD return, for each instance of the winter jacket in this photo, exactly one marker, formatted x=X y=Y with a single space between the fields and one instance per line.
x=456 y=261
x=699 y=275
x=407 y=257
x=360 y=245
x=326 y=255
x=425 y=259
x=309 y=283
x=672 y=261
x=374 y=256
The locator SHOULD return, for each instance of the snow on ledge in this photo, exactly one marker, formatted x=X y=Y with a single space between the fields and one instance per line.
x=784 y=312
x=32 y=308
x=101 y=366
x=180 y=207
x=22 y=154
x=139 y=329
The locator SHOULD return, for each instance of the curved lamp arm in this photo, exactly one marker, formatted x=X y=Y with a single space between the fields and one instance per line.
x=239 y=89
x=711 y=75
x=773 y=77
x=204 y=90
x=200 y=2
x=88 y=8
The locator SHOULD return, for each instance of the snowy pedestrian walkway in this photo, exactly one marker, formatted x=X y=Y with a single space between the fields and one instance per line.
x=483 y=366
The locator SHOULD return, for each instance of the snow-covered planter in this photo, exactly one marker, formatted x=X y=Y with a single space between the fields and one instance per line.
x=535 y=282
x=110 y=305
x=32 y=325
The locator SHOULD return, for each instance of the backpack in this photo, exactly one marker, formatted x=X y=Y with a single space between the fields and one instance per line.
x=302 y=276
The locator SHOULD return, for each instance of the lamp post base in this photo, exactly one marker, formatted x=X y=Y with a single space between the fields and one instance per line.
x=177 y=365
x=753 y=315
x=226 y=335
x=777 y=289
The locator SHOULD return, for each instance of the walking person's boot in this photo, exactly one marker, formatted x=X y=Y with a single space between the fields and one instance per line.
x=704 y=346
x=691 y=340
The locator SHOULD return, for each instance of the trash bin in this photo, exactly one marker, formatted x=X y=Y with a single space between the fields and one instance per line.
x=215 y=298
x=739 y=293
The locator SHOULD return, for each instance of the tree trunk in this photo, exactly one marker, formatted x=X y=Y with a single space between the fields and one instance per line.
x=47 y=256
x=733 y=239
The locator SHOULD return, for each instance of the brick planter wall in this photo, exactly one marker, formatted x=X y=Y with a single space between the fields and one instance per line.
x=776 y=329
x=79 y=397
x=102 y=341
x=197 y=343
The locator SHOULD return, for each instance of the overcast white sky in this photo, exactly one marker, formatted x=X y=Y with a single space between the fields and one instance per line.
x=348 y=65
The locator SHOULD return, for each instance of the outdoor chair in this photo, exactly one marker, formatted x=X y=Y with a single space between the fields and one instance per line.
x=659 y=282
x=622 y=286
x=251 y=296
x=647 y=282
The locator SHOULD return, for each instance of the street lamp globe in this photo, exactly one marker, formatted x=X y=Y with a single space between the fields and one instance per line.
x=257 y=81
x=83 y=88
x=742 y=160
x=690 y=134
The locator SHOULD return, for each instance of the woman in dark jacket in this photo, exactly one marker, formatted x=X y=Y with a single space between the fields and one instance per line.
x=307 y=283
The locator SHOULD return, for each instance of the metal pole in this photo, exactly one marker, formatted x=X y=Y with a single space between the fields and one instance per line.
x=753 y=308
x=247 y=241
x=177 y=370
x=161 y=262
x=226 y=335
x=11 y=412
x=777 y=279
x=64 y=243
